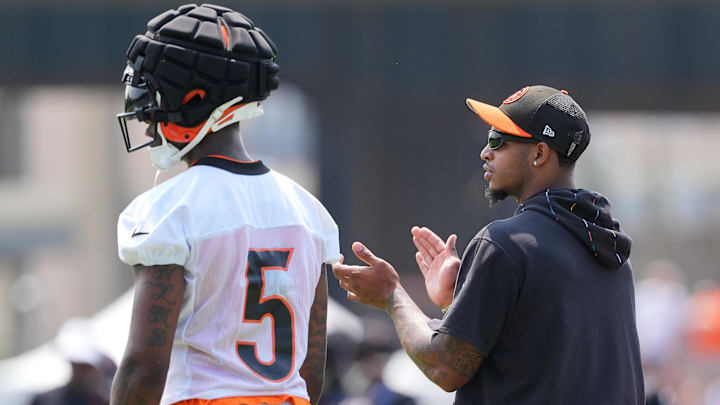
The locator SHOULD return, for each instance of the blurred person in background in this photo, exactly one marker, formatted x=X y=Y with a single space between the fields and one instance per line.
x=341 y=354
x=662 y=306
x=355 y=367
x=225 y=244
x=703 y=341
x=92 y=371
x=704 y=322
x=363 y=380
x=540 y=309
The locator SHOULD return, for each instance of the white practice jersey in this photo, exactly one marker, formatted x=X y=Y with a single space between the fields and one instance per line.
x=253 y=244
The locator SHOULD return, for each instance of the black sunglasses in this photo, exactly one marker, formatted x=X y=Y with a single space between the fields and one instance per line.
x=496 y=139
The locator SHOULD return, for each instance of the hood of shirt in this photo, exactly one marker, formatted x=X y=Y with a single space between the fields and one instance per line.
x=586 y=215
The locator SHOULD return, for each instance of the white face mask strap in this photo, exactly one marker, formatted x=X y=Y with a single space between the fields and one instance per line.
x=214 y=116
x=158 y=129
x=157 y=174
x=250 y=110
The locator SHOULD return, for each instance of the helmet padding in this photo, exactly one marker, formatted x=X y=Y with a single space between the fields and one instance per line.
x=208 y=50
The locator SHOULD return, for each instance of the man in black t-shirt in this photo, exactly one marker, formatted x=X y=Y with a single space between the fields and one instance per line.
x=540 y=309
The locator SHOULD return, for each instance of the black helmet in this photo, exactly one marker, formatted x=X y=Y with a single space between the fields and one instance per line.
x=196 y=59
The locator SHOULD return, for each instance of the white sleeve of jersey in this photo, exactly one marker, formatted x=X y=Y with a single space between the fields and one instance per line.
x=331 y=243
x=151 y=233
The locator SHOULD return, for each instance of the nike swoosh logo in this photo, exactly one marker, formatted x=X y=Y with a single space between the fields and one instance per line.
x=139 y=233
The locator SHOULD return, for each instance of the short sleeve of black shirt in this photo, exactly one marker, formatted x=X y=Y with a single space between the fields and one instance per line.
x=485 y=295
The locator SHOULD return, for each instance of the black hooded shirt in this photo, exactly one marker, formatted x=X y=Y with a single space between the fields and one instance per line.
x=586 y=216
x=547 y=297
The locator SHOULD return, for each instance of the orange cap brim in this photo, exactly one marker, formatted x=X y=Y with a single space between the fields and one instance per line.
x=496 y=118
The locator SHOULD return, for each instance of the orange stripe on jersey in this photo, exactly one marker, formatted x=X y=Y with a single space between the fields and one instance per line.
x=269 y=400
x=222 y=157
x=234 y=160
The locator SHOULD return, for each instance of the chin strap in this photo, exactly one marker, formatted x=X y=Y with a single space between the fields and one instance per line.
x=249 y=110
x=166 y=155
x=214 y=117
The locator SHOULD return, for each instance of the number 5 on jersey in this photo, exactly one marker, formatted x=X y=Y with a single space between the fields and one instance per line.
x=258 y=307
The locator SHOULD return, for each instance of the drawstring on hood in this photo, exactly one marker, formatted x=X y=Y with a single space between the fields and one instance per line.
x=587 y=216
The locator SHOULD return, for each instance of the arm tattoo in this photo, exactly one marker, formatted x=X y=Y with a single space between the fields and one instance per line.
x=313 y=369
x=162 y=290
x=121 y=392
x=160 y=287
x=158 y=313
x=461 y=356
x=160 y=284
x=411 y=327
x=159 y=290
x=162 y=273
x=446 y=360
x=158 y=338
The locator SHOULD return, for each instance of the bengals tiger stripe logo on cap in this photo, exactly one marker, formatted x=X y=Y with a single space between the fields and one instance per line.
x=516 y=96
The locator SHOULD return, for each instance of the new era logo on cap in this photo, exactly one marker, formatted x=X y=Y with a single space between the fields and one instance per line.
x=548 y=131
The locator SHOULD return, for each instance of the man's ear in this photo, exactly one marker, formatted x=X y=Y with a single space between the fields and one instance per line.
x=541 y=154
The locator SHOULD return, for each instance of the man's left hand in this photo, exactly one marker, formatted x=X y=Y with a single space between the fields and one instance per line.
x=372 y=285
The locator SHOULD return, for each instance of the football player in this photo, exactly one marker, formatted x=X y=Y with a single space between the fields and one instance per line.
x=230 y=288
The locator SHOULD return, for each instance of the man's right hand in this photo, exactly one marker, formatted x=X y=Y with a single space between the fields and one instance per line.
x=439 y=263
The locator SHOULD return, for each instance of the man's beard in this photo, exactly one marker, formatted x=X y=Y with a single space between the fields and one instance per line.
x=522 y=174
x=495 y=196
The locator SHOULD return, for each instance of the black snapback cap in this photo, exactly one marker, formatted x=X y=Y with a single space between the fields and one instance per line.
x=543 y=113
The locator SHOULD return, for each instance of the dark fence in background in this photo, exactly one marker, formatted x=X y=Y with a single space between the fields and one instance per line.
x=398 y=144
x=613 y=56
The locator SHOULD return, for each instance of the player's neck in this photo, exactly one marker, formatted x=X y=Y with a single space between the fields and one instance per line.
x=558 y=179
x=226 y=142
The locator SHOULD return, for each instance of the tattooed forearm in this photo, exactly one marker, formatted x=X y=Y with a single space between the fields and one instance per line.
x=313 y=369
x=412 y=329
x=158 y=338
x=447 y=361
x=122 y=392
x=159 y=314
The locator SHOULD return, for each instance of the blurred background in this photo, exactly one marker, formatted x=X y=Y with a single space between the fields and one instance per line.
x=370 y=116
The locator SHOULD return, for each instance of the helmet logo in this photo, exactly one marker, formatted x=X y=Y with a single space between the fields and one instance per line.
x=192 y=94
x=516 y=96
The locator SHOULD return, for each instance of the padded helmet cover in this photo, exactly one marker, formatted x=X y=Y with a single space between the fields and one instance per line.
x=210 y=48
